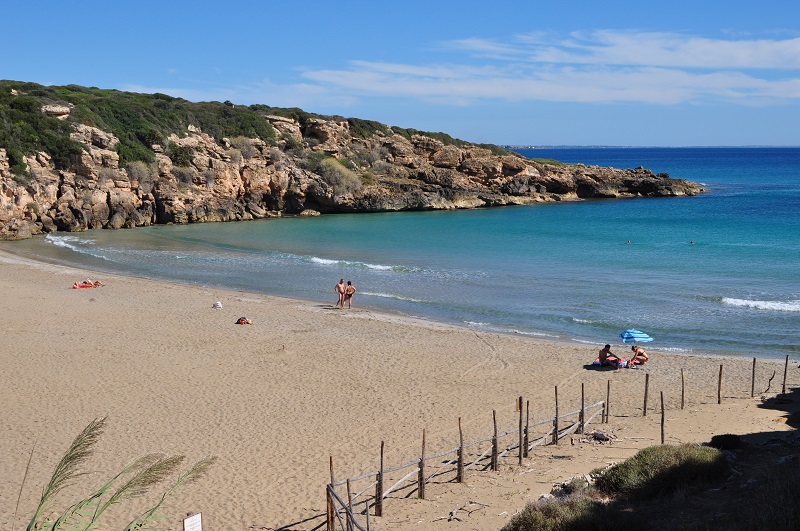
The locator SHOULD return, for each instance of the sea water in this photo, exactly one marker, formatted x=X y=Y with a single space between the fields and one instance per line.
x=561 y=270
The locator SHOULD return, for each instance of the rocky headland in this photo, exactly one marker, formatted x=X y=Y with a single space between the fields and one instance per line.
x=304 y=165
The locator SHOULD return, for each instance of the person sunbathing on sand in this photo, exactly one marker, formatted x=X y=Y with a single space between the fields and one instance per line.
x=88 y=283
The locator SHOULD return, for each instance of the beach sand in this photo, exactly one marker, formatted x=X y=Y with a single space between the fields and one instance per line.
x=276 y=399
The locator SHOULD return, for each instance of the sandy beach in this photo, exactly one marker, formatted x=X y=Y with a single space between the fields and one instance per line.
x=275 y=399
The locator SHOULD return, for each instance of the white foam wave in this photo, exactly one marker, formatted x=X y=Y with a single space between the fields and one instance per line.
x=504 y=330
x=359 y=265
x=576 y=320
x=325 y=261
x=63 y=241
x=378 y=267
x=71 y=243
x=391 y=296
x=781 y=306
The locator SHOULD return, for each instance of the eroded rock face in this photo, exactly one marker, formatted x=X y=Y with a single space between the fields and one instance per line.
x=256 y=180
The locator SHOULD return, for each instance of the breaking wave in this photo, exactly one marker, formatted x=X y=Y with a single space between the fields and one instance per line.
x=780 y=306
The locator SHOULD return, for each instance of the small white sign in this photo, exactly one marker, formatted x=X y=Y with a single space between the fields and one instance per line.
x=193 y=523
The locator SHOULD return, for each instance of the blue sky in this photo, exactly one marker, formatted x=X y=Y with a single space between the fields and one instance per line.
x=678 y=73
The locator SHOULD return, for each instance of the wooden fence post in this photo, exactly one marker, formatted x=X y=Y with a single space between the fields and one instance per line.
x=662 y=417
x=785 y=370
x=527 y=425
x=329 y=507
x=583 y=411
x=753 y=380
x=379 y=488
x=329 y=497
x=555 y=421
x=519 y=405
x=607 y=405
x=646 y=390
x=421 y=477
x=495 y=450
x=366 y=511
x=683 y=389
x=719 y=386
x=349 y=515
x=460 y=469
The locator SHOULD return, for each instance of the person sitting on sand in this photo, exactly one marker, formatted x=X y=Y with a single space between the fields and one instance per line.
x=607 y=357
x=639 y=355
x=349 y=290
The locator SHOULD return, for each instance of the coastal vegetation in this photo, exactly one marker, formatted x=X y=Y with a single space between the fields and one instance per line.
x=661 y=473
x=133 y=481
x=141 y=120
x=685 y=487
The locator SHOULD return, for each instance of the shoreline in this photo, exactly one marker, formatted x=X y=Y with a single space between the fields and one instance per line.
x=275 y=400
x=388 y=312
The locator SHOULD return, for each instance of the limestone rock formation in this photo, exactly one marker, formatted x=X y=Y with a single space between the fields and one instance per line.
x=242 y=179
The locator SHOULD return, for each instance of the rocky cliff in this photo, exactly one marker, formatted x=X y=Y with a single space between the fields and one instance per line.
x=315 y=165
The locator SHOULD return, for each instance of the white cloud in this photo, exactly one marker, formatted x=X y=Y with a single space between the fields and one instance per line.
x=600 y=66
x=664 y=49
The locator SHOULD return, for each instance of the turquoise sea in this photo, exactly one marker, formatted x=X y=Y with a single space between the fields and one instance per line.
x=561 y=271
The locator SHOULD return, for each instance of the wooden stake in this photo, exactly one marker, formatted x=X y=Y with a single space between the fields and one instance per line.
x=460 y=469
x=519 y=405
x=719 y=386
x=366 y=511
x=662 y=417
x=607 y=405
x=421 y=477
x=329 y=507
x=349 y=515
x=785 y=370
x=329 y=497
x=646 y=390
x=753 y=380
x=527 y=424
x=683 y=389
x=583 y=411
x=332 y=482
x=379 y=488
x=555 y=421
x=495 y=449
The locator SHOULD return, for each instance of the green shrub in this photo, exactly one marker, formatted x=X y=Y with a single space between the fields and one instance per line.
x=366 y=128
x=310 y=160
x=343 y=180
x=179 y=155
x=661 y=470
x=245 y=146
x=184 y=174
x=145 y=174
x=575 y=513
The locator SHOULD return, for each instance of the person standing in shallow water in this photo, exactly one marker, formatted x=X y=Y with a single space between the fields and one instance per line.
x=349 y=291
x=339 y=289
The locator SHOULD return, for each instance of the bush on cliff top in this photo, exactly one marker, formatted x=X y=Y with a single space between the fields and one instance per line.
x=141 y=120
x=138 y=120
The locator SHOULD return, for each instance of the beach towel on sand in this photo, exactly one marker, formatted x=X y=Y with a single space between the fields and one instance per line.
x=621 y=363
